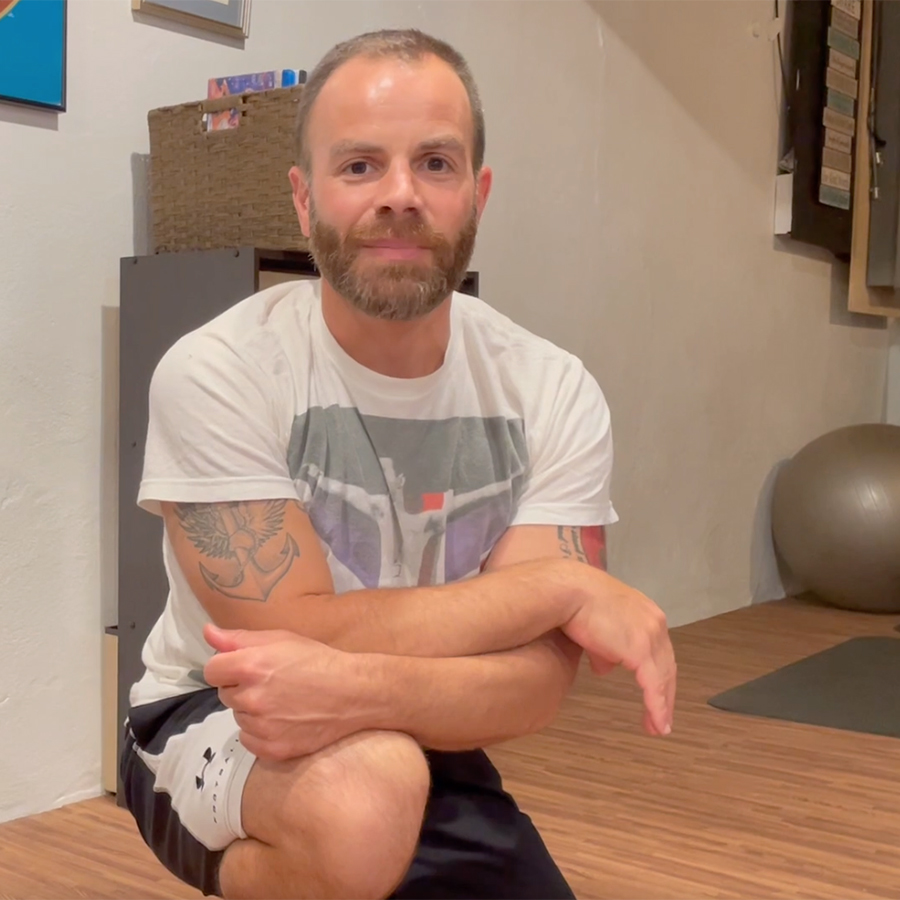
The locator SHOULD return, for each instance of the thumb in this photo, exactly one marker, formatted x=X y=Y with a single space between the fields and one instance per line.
x=601 y=666
x=225 y=640
x=221 y=639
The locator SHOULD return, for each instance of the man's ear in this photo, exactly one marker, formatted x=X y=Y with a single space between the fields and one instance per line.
x=300 y=194
x=483 y=189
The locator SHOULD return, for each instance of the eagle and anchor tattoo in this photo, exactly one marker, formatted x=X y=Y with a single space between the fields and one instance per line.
x=236 y=533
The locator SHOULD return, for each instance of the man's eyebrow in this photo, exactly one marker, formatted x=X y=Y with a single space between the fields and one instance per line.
x=362 y=148
x=351 y=148
x=444 y=142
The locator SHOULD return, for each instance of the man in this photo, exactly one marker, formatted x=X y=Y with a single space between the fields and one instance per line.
x=384 y=510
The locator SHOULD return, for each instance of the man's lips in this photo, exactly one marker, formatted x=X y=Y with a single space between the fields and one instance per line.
x=394 y=249
x=393 y=244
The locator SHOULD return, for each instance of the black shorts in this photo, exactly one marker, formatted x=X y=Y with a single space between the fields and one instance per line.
x=183 y=770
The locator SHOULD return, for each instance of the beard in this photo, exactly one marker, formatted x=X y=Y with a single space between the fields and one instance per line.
x=397 y=291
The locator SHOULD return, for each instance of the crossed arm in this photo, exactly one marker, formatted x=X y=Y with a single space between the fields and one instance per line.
x=456 y=666
x=467 y=702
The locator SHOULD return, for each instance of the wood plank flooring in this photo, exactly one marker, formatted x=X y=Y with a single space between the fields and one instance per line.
x=728 y=807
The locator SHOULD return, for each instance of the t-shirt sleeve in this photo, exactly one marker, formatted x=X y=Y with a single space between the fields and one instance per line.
x=217 y=430
x=571 y=455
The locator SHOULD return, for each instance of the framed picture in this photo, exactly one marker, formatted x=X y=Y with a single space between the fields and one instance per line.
x=229 y=17
x=33 y=53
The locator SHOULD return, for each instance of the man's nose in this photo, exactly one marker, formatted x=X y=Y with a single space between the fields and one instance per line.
x=398 y=190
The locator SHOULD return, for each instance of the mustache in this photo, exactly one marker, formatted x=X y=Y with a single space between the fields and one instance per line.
x=414 y=232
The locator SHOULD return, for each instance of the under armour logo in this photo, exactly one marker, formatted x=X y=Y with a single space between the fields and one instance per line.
x=209 y=756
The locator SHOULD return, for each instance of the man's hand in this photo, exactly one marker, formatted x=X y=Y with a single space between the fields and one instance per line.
x=618 y=625
x=291 y=695
x=614 y=623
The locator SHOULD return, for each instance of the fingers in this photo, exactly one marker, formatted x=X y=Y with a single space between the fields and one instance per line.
x=248 y=700
x=260 y=736
x=240 y=653
x=649 y=727
x=236 y=697
x=253 y=744
x=263 y=740
x=656 y=676
x=669 y=675
x=271 y=751
x=224 y=670
x=671 y=687
x=656 y=705
x=259 y=747
x=225 y=640
x=233 y=668
x=257 y=726
x=655 y=673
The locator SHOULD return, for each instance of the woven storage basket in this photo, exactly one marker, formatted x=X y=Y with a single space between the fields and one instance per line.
x=214 y=189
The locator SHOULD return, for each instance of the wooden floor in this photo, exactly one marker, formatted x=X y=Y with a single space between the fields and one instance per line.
x=728 y=806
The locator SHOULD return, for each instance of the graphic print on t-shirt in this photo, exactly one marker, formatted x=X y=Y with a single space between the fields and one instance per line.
x=406 y=501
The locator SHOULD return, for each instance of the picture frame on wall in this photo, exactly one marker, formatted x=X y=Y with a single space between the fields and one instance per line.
x=33 y=53
x=227 y=17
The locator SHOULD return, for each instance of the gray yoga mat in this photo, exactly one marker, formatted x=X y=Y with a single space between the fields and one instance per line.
x=854 y=686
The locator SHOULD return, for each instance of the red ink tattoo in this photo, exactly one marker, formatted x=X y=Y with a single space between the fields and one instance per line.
x=593 y=541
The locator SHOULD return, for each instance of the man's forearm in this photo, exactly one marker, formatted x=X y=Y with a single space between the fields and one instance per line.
x=492 y=612
x=466 y=703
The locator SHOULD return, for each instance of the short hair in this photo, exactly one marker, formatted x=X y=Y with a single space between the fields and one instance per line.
x=408 y=44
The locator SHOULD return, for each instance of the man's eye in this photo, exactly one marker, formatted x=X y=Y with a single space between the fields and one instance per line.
x=357 y=168
x=437 y=164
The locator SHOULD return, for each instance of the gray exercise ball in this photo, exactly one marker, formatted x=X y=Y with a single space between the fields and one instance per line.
x=836 y=517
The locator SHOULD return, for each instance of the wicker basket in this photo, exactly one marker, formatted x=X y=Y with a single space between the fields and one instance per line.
x=215 y=189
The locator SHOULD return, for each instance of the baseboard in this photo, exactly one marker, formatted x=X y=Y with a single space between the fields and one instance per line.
x=78 y=797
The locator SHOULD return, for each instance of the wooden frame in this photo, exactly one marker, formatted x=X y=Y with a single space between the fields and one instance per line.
x=875 y=301
x=227 y=17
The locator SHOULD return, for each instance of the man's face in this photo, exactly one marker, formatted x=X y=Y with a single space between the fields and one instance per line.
x=392 y=207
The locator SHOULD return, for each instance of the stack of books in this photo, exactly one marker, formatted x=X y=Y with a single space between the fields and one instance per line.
x=842 y=94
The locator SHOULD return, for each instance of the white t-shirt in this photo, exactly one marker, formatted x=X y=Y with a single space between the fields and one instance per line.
x=406 y=481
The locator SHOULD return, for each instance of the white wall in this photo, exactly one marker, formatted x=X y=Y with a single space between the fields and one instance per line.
x=634 y=148
x=892 y=394
x=722 y=349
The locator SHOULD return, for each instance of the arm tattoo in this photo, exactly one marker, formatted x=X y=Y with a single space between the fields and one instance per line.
x=236 y=534
x=587 y=544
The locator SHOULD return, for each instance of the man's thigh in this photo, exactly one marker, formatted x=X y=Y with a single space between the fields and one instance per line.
x=183 y=769
x=185 y=772
x=476 y=843
x=195 y=791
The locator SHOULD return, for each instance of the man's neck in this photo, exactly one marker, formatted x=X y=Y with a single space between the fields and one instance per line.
x=397 y=349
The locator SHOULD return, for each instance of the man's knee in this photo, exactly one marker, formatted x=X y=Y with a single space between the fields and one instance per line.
x=369 y=804
x=355 y=813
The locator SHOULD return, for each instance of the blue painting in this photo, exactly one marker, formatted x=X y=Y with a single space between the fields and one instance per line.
x=33 y=52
